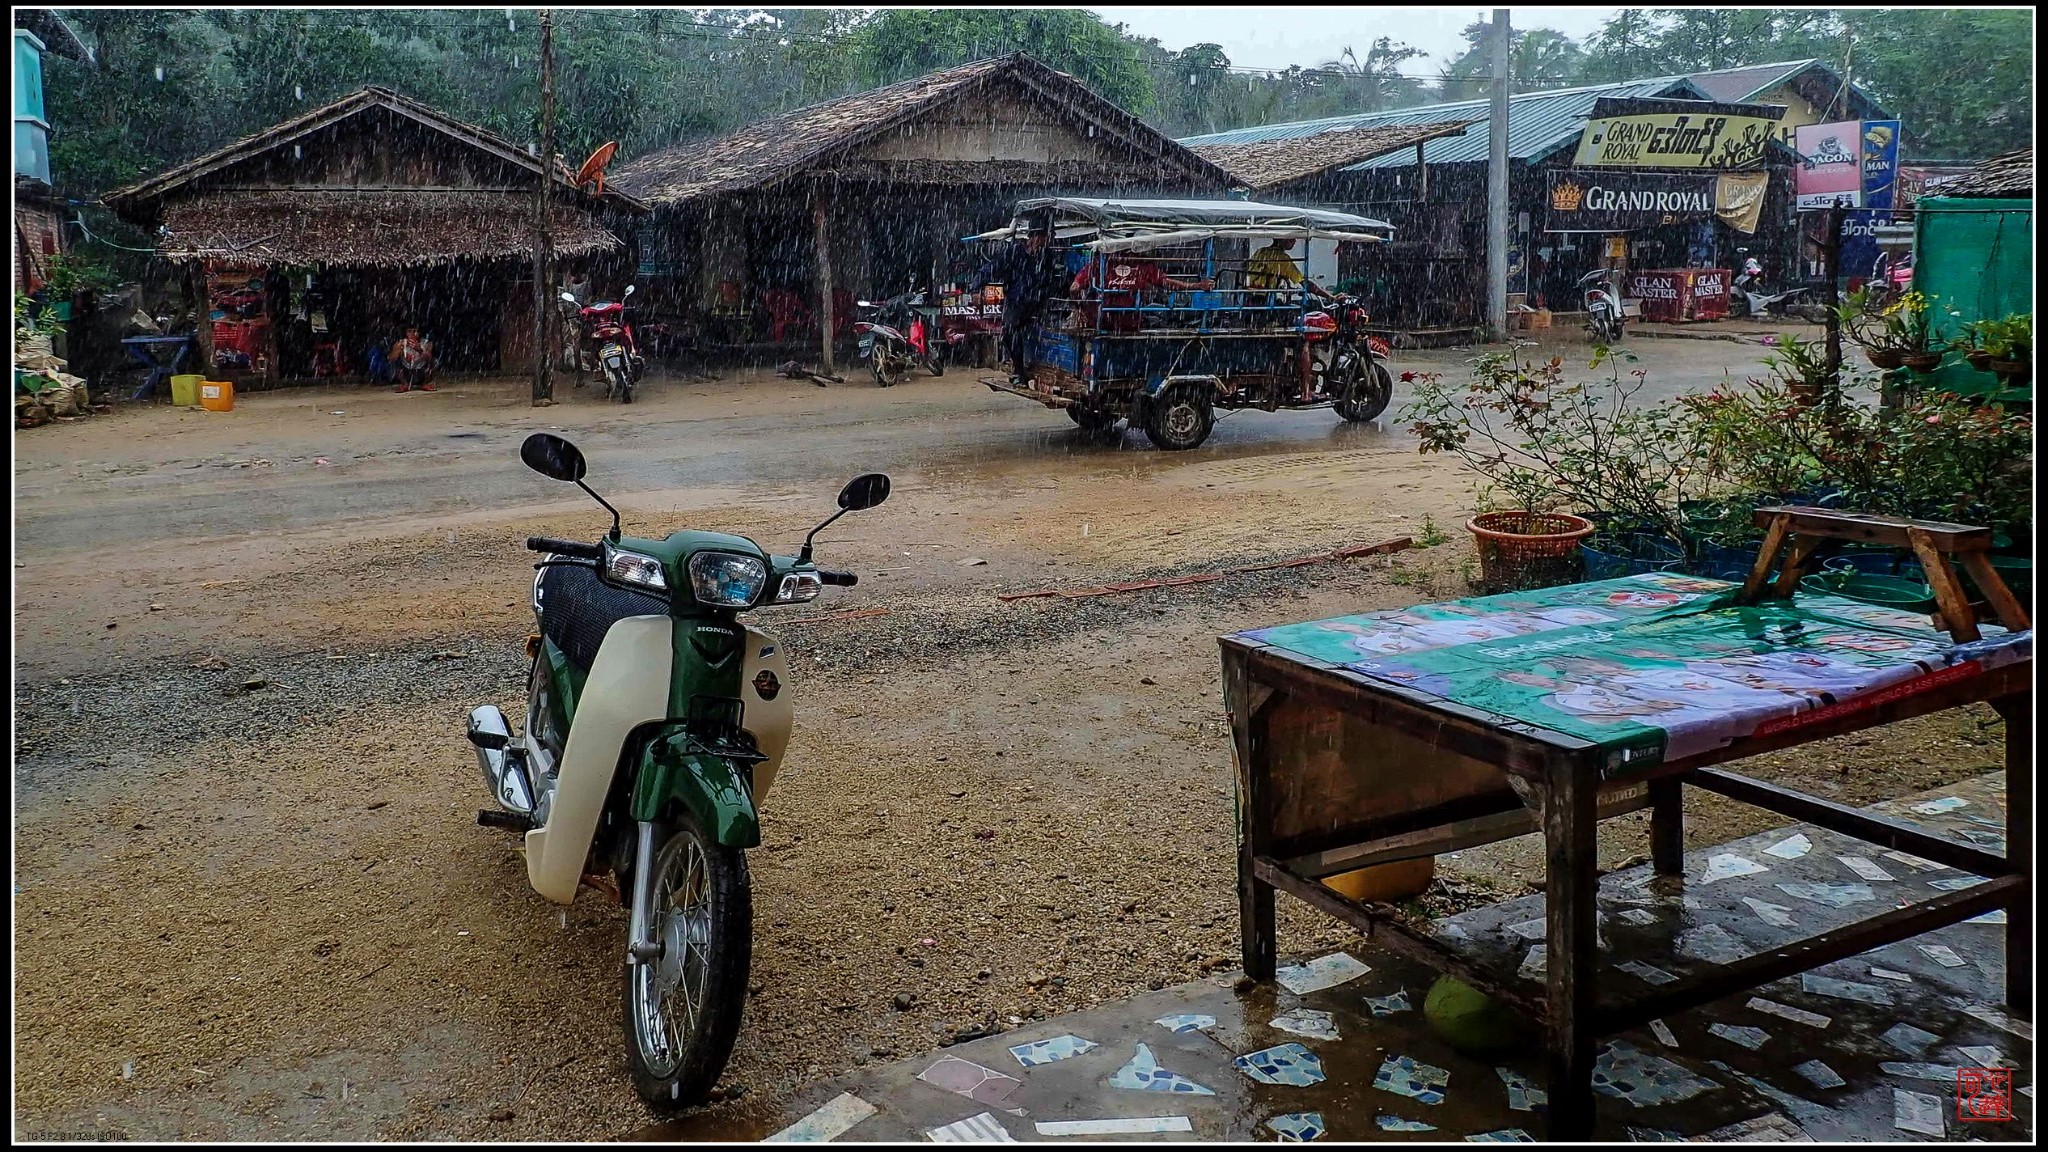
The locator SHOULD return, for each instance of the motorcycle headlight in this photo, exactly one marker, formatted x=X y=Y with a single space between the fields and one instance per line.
x=798 y=587
x=637 y=570
x=726 y=579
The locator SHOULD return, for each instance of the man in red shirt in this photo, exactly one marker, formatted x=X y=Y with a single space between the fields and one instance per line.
x=1123 y=279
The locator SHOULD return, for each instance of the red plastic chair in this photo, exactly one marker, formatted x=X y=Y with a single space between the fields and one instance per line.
x=786 y=311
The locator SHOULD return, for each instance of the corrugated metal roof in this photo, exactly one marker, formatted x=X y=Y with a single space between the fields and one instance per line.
x=1733 y=85
x=1538 y=122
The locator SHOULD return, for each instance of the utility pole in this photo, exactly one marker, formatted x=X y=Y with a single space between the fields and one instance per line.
x=1497 y=185
x=543 y=250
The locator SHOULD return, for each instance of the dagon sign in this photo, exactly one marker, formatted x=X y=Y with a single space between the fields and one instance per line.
x=1676 y=134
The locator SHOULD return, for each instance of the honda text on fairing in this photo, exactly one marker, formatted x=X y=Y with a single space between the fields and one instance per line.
x=655 y=723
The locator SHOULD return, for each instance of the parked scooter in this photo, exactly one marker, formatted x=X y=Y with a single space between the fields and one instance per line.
x=1750 y=298
x=618 y=357
x=655 y=722
x=1600 y=295
x=892 y=349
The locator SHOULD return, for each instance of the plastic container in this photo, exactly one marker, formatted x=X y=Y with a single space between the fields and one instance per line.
x=185 y=389
x=1888 y=591
x=2016 y=571
x=1868 y=561
x=217 y=395
x=1628 y=554
x=1385 y=883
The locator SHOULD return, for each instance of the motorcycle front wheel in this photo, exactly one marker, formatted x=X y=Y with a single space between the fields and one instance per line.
x=682 y=1009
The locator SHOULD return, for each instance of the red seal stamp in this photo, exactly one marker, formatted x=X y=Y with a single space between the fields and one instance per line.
x=1983 y=1093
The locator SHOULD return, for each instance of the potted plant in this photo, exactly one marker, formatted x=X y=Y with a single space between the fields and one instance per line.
x=1971 y=343
x=1547 y=443
x=1897 y=334
x=2010 y=349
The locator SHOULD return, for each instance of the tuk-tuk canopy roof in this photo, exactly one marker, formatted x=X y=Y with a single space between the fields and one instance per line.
x=1108 y=225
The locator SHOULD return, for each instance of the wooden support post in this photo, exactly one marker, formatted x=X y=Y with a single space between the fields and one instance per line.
x=824 y=243
x=543 y=249
x=1667 y=826
x=1421 y=175
x=1956 y=612
x=1831 y=249
x=1245 y=701
x=1760 y=573
x=2011 y=612
x=2018 y=712
x=1572 y=952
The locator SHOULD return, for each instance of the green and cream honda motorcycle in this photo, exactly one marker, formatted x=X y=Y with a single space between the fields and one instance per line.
x=655 y=722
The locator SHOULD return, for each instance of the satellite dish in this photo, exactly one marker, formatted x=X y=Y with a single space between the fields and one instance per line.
x=592 y=171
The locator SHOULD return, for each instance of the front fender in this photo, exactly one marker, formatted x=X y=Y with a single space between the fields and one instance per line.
x=715 y=790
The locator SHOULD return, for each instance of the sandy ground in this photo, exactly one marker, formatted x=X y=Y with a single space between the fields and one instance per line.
x=265 y=912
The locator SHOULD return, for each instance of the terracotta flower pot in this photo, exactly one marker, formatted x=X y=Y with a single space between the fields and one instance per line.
x=1921 y=361
x=1886 y=358
x=1979 y=359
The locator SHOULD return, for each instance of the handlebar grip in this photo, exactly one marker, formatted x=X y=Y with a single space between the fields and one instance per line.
x=574 y=548
x=841 y=579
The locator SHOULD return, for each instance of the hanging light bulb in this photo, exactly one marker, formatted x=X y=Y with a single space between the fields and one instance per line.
x=1191 y=79
x=159 y=72
x=298 y=92
x=511 y=21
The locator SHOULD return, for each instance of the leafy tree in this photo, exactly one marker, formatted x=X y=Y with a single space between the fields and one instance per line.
x=1538 y=58
x=899 y=43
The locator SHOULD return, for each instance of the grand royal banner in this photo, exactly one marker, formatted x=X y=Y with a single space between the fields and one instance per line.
x=1676 y=134
x=1596 y=201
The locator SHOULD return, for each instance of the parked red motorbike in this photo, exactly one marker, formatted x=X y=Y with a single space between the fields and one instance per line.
x=892 y=351
x=618 y=357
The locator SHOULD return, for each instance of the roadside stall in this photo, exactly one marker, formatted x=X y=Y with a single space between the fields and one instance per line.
x=1399 y=734
x=1133 y=342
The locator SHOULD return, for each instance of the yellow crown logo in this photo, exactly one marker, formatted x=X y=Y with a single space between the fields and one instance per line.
x=1566 y=196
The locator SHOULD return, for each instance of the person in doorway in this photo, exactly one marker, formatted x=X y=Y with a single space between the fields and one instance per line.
x=1025 y=272
x=413 y=358
x=1272 y=269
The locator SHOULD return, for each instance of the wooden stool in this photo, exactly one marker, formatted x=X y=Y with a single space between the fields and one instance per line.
x=1799 y=531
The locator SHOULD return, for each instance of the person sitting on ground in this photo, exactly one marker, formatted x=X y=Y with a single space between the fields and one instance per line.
x=1123 y=279
x=413 y=357
x=1272 y=269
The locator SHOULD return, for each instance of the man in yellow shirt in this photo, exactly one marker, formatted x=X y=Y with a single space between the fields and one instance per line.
x=1272 y=268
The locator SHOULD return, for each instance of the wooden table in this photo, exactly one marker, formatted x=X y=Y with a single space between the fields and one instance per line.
x=1337 y=770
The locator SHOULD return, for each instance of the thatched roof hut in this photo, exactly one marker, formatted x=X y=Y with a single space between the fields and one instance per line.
x=770 y=233
x=2005 y=177
x=374 y=179
x=849 y=139
x=1263 y=164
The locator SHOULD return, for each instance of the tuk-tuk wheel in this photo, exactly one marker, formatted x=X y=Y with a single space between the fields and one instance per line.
x=1180 y=419
x=1366 y=395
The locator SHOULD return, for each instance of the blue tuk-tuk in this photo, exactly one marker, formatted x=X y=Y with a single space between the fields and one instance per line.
x=1168 y=316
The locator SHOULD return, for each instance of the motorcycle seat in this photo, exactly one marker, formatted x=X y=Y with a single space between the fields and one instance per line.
x=577 y=609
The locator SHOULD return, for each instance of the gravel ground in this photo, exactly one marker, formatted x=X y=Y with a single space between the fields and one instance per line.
x=1036 y=821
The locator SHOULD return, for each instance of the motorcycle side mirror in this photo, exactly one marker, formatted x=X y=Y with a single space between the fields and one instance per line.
x=863 y=303
x=629 y=291
x=566 y=298
x=553 y=457
x=557 y=459
x=864 y=492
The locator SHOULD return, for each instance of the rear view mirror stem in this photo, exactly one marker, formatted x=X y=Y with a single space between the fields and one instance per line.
x=607 y=507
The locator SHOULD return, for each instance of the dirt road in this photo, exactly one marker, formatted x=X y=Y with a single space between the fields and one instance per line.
x=252 y=900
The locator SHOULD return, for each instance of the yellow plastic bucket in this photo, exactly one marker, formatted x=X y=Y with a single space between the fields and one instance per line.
x=1385 y=883
x=185 y=389
x=217 y=395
